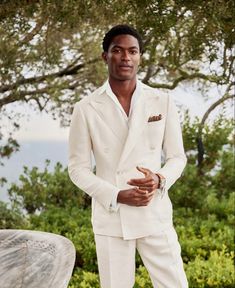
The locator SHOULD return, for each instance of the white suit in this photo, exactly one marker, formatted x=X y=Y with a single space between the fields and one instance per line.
x=97 y=126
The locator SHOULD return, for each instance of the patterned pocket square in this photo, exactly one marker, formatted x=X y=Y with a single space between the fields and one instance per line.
x=155 y=118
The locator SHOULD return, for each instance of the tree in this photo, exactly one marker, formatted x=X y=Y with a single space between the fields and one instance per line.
x=50 y=50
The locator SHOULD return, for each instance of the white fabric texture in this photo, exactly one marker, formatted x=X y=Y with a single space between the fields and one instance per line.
x=160 y=254
x=98 y=127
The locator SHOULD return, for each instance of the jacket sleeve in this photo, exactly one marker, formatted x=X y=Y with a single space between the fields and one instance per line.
x=173 y=149
x=80 y=162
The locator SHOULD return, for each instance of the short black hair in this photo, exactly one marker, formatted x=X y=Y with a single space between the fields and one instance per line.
x=121 y=30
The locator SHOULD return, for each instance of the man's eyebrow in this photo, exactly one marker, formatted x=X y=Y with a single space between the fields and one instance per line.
x=121 y=47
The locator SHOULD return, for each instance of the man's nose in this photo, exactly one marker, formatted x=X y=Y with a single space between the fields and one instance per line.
x=125 y=55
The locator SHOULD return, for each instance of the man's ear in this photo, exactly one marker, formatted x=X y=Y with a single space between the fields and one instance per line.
x=104 y=56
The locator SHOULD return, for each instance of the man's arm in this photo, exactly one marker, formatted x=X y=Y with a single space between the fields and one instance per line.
x=173 y=148
x=175 y=159
x=80 y=164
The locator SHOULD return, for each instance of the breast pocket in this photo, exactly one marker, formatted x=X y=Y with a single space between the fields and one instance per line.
x=155 y=132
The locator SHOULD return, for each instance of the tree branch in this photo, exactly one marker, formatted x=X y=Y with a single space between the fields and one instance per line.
x=213 y=106
x=185 y=76
x=21 y=95
x=69 y=70
x=34 y=32
x=149 y=74
x=200 y=145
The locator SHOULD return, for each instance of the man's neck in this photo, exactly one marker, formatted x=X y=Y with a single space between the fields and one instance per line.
x=123 y=89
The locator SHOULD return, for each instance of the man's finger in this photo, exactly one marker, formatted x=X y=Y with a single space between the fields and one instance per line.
x=149 y=188
x=145 y=171
x=143 y=194
x=139 y=181
x=144 y=200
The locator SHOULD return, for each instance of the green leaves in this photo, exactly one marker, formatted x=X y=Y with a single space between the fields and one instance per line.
x=38 y=190
x=217 y=271
x=11 y=218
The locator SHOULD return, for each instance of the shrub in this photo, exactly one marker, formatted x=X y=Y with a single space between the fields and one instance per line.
x=84 y=279
x=142 y=278
x=11 y=218
x=217 y=271
x=38 y=190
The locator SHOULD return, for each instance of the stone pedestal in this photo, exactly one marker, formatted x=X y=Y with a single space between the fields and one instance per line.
x=33 y=259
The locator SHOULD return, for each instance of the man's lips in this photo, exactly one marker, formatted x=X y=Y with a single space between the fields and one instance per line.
x=125 y=67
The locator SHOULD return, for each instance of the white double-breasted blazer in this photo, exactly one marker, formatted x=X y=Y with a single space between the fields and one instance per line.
x=97 y=127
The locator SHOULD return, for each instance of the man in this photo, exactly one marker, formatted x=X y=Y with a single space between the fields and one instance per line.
x=126 y=125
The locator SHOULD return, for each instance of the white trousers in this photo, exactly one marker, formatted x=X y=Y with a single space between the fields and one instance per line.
x=161 y=255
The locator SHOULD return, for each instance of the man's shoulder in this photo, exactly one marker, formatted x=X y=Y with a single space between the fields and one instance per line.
x=155 y=92
x=92 y=96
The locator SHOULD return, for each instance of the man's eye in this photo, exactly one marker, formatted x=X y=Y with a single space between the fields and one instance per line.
x=133 y=52
x=116 y=50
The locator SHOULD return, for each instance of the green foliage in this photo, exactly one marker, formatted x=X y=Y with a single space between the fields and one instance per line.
x=215 y=175
x=216 y=271
x=84 y=279
x=199 y=236
x=39 y=189
x=11 y=218
x=215 y=137
x=10 y=146
x=223 y=179
x=142 y=278
x=221 y=207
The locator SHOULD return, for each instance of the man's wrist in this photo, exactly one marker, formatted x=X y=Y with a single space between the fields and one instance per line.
x=161 y=181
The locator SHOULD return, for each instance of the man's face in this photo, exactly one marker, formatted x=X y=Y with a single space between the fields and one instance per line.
x=122 y=58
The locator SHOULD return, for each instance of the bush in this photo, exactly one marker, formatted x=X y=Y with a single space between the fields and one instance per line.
x=217 y=271
x=199 y=236
x=38 y=190
x=11 y=218
x=142 y=278
x=84 y=279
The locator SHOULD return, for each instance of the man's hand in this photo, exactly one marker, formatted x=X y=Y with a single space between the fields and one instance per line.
x=150 y=182
x=135 y=197
x=143 y=191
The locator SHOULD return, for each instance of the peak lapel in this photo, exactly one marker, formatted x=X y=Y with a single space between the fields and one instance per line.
x=138 y=122
x=111 y=115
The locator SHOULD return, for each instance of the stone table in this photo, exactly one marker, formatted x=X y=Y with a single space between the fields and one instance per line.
x=33 y=259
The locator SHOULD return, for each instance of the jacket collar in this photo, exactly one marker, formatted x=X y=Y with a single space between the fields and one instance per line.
x=113 y=118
